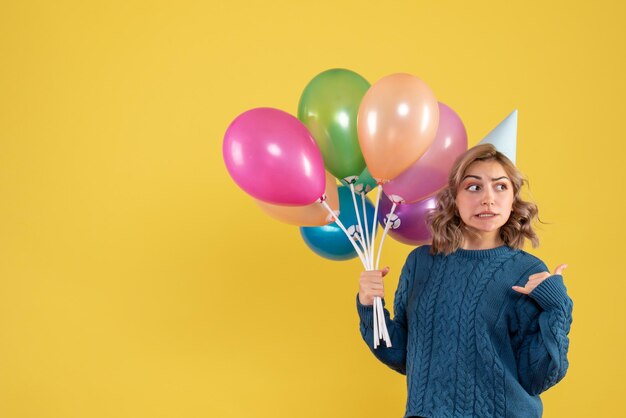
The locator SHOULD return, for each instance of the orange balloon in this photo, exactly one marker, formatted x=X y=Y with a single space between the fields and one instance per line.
x=397 y=122
x=314 y=214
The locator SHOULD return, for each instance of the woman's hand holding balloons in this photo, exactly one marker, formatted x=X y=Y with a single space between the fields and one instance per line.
x=343 y=123
x=371 y=286
x=535 y=280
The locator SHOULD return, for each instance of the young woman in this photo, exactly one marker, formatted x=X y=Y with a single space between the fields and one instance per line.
x=480 y=326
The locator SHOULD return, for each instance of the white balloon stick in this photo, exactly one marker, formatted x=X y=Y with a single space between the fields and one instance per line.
x=367 y=234
x=380 y=328
x=385 y=331
x=343 y=228
x=381 y=318
x=376 y=339
x=359 y=240
x=382 y=239
x=374 y=224
x=358 y=217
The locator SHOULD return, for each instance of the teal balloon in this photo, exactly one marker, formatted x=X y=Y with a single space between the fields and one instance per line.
x=328 y=107
x=364 y=183
x=329 y=241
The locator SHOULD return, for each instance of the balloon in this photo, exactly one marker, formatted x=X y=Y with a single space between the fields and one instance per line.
x=408 y=220
x=272 y=157
x=329 y=241
x=397 y=122
x=504 y=136
x=310 y=215
x=364 y=183
x=430 y=173
x=328 y=107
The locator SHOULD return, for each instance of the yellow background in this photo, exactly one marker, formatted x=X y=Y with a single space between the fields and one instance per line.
x=137 y=280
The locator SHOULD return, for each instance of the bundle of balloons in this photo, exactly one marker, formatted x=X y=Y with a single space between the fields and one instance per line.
x=393 y=136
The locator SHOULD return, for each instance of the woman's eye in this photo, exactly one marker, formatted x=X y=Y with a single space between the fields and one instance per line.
x=501 y=187
x=472 y=188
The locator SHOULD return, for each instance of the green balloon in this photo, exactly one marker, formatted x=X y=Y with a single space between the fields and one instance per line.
x=365 y=183
x=328 y=107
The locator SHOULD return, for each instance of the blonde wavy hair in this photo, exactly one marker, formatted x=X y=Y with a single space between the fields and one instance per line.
x=448 y=229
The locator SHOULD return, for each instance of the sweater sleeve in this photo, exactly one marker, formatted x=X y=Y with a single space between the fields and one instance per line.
x=394 y=356
x=543 y=322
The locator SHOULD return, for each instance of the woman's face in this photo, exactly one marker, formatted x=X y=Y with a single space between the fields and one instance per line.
x=485 y=197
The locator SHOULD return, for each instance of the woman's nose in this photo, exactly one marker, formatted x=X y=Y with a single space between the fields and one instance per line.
x=488 y=197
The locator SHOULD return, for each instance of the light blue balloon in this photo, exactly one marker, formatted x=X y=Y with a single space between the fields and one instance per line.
x=329 y=241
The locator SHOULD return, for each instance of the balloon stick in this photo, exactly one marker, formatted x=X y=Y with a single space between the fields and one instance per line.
x=374 y=225
x=358 y=218
x=367 y=234
x=385 y=335
x=343 y=228
x=387 y=225
x=380 y=328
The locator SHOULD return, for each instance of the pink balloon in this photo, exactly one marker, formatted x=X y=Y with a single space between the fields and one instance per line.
x=272 y=156
x=430 y=173
x=409 y=220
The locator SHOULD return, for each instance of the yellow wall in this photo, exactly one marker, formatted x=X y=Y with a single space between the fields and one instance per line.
x=137 y=280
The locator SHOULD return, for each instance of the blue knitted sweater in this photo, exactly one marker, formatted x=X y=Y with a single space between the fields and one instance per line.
x=470 y=345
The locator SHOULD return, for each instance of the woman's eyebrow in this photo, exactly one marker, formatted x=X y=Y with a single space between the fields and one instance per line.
x=480 y=178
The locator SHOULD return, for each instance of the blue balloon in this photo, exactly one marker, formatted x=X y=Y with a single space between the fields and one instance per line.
x=329 y=241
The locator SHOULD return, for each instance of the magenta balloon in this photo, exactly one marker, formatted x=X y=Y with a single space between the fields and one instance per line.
x=272 y=156
x=430 y=173
x=412 y=228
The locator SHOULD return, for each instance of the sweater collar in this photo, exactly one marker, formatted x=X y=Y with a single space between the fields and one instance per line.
x=489 y=253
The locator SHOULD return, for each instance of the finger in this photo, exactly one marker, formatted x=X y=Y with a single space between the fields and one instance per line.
x=370 y=284
x=522 y=290
x=537 y=280
x=385 y=271
x=371 y=291
x=371 y=275
x=560 y=269
x=376 y=286
x=370 y=279
x=375 y=277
